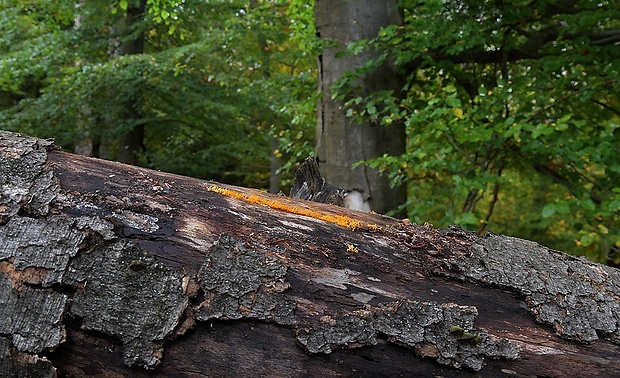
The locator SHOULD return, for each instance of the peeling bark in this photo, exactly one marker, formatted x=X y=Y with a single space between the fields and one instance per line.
x=241 y=283
x=32 y=318
x=577 y=297
x=126 y=293
x=24 y=182
x=112 y=270
x=441 y=331
x=18 y=364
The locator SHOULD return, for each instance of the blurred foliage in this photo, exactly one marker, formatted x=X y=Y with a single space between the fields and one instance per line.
x=512 y=116
x=217 y=81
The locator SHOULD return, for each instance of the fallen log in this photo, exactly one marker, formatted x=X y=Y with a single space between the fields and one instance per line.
x=112 y=270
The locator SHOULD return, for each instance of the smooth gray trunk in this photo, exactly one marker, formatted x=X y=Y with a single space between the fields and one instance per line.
x=131 y=143
x=341 y=142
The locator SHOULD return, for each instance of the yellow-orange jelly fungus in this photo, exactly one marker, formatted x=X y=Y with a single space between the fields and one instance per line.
x=341 y=220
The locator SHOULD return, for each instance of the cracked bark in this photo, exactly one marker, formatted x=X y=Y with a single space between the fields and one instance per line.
x=113 y=270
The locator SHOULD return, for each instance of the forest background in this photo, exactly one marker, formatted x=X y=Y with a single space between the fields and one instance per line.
x=510 y=108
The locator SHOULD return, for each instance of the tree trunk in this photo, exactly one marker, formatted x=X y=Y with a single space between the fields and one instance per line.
x=131 y=143
x=83 y=123
x=341 y=142
x=274 y=165
x=119 y=271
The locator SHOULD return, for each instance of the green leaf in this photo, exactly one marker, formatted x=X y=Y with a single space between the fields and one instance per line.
x=453 y=101
x=372 y=109
x=548 y=210
x=342 y=54
x=564 y=118
x=587 y=239
x=123 y=5
x=587 y=204
x=563 y=207
x=467 y=219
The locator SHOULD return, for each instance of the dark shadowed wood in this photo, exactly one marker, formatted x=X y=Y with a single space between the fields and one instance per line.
x=311 y=186
x=129 y=272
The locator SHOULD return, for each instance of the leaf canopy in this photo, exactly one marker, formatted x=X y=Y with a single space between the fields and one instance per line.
x=512 y=117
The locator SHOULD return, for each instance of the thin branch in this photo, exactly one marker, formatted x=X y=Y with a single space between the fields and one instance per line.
x=529 y=49
x=568 y=95
x=494 y=199
x=608 y=107
x=557 y=178
x=606 y=37
x=561 y=99
x=458 y=149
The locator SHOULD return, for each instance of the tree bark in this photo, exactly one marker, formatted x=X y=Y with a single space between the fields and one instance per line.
x=274 y=165
x=342 y=142
x=113 y=270
x=131 y=143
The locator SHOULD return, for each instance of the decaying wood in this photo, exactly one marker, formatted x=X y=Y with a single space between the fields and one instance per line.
x=311 y=186
x=112 y=270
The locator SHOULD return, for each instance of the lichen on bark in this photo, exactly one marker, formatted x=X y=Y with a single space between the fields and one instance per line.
x=32 y=317
x=445 y=332
x=25 y=181
x=126 y=293
x=40 y=243
x=577 y=297
x=240 y=282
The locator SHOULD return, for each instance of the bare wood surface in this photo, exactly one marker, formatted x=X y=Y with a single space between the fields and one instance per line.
x=112 y=270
